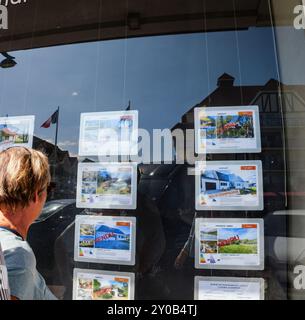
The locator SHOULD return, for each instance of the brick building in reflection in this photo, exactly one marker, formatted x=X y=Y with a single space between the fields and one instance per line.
x=64 y=171
x=282 y=118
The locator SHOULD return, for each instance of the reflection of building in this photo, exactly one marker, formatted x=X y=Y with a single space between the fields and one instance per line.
x=65 y=168
x=282 y=118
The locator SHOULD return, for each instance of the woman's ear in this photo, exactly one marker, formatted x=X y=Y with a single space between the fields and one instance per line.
x=36 y=197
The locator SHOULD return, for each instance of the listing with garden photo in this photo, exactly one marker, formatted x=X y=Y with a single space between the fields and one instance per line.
x=221 y=129
x=229 y=244
x=102 y=285
x=107 y=185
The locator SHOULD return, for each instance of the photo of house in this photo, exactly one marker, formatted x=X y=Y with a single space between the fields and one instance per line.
x=112 y=289
x=16 y=131
x=112 y=238
x=215 y=181
x=227 y=185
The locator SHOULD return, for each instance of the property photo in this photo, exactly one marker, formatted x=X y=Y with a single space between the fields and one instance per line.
x=113 y=238
x=110 y=289
x=113 y=182
x=237 y=240
x=229 y=185
x=16 y=131
x=228 y=126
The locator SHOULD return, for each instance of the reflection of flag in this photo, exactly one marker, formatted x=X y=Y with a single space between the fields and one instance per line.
x=53 y=119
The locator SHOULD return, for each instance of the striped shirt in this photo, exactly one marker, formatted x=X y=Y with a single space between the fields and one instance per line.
x=4 y=287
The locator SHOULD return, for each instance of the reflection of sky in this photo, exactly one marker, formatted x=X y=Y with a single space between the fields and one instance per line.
x=243 y=233
x=164 y=75
x=291 y=46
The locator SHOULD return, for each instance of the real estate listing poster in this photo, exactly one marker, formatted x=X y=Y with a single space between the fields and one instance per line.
x=229 y=185
x=229 y=244
x=222 y=288
x=103 y=285
x=16 y=132
x=227 y=130
x=107 y=185
x=108 y=133
x=104 y=239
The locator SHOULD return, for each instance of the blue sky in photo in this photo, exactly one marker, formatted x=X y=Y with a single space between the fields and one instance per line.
x=124 y=229
x=243 y=233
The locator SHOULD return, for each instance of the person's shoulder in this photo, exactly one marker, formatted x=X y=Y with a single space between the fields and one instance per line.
x=17 y=253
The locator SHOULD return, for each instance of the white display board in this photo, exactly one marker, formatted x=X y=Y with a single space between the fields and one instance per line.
x=229 y=185
x=103 y=285
x=222 y=288
x=107 y=185
x=227 y=129
x=16 y=132
x=229 y=244
x=104 y=239
x=108 y=133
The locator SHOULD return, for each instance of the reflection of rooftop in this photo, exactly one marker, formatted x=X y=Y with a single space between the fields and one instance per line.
x=49 y=149
x=266 y=96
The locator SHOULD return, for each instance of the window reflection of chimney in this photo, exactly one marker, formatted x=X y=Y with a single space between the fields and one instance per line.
x=225 y=81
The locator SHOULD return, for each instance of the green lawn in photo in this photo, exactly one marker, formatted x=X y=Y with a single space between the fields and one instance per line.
x=22 y=139
x=239 y=249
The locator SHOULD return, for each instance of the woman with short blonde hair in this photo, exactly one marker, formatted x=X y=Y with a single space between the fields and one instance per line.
x=24 y=180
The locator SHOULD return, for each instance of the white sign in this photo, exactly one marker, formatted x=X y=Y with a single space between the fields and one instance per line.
x=16 y=132
x=108 y=133
x=229 y=185
x=107 y=186
x=229 y=244
x=227 y=130
x=104 y=239
x=102 y=285
x=221 y=288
